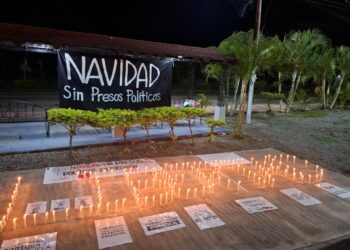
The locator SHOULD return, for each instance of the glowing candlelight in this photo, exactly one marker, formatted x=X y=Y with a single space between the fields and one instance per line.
x=1 y=226
x=243 y=171
x=107 y=207
x=67 y=214
x=203 y=190
x=81 y=210
x=19 y=178
x=160 y=198
x=269 y=157
x=153 y=200
x=166 y=197
x=321 y=174
x=254 y=177
x=259 y=180
x=188 y=192
x=294 y=159
x=316 y=177
x=195 y=193
x=54 y=216
x=172 y=194
x=228 y=183
x=123 y=203
x=138 y=184
x=219 y=179
x=273 y=182
x=25 y=220
x=264 y=182
x=317 y=168
x=306 y=161
x=212 y=188
x=146 y=182
x=294 y=176
x=14 y=223
x=34 y=219
x=98 y=208
x=239 y=183
x=280 y=157
x=178 y=192
x=182 y=179
x=238 y=168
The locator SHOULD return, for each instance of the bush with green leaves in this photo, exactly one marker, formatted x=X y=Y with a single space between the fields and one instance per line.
x=191 y=113
x=121 y=118
x=147 y=117
x=272 y=97
x=71 y=119
x=212 y=124
x=170 y=115
x=203 y=100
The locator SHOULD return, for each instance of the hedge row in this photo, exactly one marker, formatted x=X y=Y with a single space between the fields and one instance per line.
x=73 y=119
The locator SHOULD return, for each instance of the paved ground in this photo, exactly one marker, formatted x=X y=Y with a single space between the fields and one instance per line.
x=27 y=137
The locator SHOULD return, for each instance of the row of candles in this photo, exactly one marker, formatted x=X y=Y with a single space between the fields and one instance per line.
x=10 y=207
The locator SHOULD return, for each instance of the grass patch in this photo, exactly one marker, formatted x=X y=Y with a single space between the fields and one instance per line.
x=309 y=114
x=323 y=138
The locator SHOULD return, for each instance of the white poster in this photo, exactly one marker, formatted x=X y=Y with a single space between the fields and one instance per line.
x=337 y=191
x=100 y=169
x=85 y=201
x=36 y=207
x=160 y=223
x=42 y=241
x=59 y=205
x=222 y=159
x=301 y=197
x=112 y=232
x=203 y=216
x=256 y=204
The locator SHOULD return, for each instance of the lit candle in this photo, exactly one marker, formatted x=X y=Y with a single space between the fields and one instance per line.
x=146 y=199
x=280 y=157
x=264 y=181
x=239 y=183
x=228 y=183
x=203 y=190
x=34 y=219
x=107 y=207
x=317 y=168
x=98 y=208
x=254 y=177
x=138 y=184
x=316 y=178
x=19 y=178
x=81 y=210
x=188 y=192
x=182 y=179
x=160 y=198
x=46 y=217
x=53 y=216
x=178 y=192
x=219 y=179
x=287 y=158
x=1 y=227
x=249 y=172
x=195 y=193
x=146 y=182
x=306 y=161
x=25 y=220
x=321 y=174
x=294 y=159
x=14 y=223
x=259 y=180
x=153 y=200
x=273 y=182
x=309 y=178
x=116 y=205
x=123 y=203
x=67 y=213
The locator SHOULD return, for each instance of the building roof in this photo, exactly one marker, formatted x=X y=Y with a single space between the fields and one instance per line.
x=21 y=34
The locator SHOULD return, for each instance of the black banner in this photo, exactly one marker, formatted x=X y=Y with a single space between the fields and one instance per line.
x=90 y=82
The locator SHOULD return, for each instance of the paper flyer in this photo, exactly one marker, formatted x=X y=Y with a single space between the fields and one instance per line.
x=40 y=242
x=112 y=232
x=337 y=191
x=160 y=223
x=98 y=169
x=301 y=197
x=256 y=204
x=203 y=216
x=85 y=201
x=222 y=159
x=36 y=207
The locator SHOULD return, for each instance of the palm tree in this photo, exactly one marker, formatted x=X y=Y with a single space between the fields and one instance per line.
x=300 y=46
x=342 y=66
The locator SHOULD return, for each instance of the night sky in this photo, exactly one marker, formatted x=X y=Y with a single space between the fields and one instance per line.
x=190 y=22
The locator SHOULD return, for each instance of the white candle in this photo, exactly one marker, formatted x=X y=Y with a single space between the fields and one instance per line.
x=99 y=208
x=188 y=192
x=53 y=216
x=195 y=193
x=160 y=198
x=146 y=199
x=273 y=182
x=123 y=203
x=146 y=182
x=34 y=219
x=182 y=179
x=178 y=192
x=294 y=159
x=116 y=205
x=107 y=207
x=228 y=183
x=239 y=183
x=67 y=213
x=306 y=161
x=25 y=220
x=153 y=200
x=14 y=223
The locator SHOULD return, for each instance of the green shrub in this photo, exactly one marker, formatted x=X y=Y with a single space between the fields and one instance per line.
x=191 y=113
x=212 y=124
x=272 y=97
x=71 y=119
x=170 y=115
x=147 y=117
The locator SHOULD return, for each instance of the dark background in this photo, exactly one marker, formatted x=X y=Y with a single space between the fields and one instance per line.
x=189 y=22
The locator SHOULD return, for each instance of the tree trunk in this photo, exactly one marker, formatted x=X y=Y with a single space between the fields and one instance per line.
x=250 y=97
x=70 y=142
x=172 y=133
x=227 y=93
x=234 y=101
x=191 y=79
x=239 y=126
x=124 y=137
x=280 y=89
x=323 y=91
x=190 y=126
x=291 y=91
x=328 y=92
x=146 y=128
x=337 y=91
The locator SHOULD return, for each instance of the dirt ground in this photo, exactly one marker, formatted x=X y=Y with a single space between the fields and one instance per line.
x=321 y=137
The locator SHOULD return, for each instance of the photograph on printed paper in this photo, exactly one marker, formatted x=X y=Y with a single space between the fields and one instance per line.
x=36 y=207
x=301 y=197
x=59 y=205
x=85 y=201
x=337 y=191
x=203 y=216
